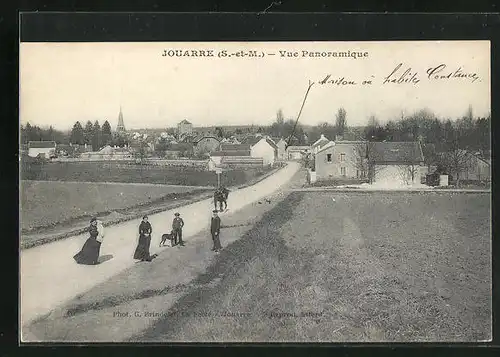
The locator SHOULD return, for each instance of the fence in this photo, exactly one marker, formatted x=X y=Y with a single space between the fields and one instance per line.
x=202 y=164
x=241 y=162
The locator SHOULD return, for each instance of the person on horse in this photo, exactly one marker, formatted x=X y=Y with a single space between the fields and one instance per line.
x=220 y=195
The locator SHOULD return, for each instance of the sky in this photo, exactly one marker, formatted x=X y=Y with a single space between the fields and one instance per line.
x=61 y=83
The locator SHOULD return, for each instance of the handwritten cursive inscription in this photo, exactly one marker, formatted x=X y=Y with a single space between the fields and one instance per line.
x=339 y=81
x=399 y=76
x=440 y=73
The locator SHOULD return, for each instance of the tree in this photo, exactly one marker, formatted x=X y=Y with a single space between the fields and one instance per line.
x=88 y=133
x=448 y=135
x=219 y=132
x=25 y=131
x=96 y=137
x=340 y=121
x=374 y=131
x=106 y=136
x=365 y=158
x=483 y=129
x=76 y=136
x=280 y=117
x=161 y=147
x=49 y=134
x=456 y=161
x=430 y=156
x=410 y=165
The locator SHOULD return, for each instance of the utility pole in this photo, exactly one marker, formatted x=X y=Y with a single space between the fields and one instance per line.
x=218 y=171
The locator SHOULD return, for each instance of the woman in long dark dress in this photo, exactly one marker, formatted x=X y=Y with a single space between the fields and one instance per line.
x=142 y=250
x=90 y=251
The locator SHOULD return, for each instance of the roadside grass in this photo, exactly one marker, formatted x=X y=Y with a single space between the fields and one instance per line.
x=131 y=173
x=146 y=288
x=380 y=268
x=46 y=204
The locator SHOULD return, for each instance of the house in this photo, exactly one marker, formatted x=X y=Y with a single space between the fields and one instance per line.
x=43 y=148
x=108 y=153
x=396 y=161
x=262 y=146
x=179 y=150
x=296 y=153
x=230 y=140
x=234 y=158
x=75 y=150
x=339 y=159
x=383 y=161
x=187 y=138
x=281 y=145
x=479 y=169
x=205 y=144
x=184 y=128
x=318 y=144
x=473 y=166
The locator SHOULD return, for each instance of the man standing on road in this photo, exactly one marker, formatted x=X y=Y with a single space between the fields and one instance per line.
x=177 y=225
x=215 y=230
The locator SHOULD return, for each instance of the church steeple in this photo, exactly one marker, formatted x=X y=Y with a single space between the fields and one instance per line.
x=121 y=125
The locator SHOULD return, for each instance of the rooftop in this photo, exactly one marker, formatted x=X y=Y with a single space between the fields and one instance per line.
x=42 y=144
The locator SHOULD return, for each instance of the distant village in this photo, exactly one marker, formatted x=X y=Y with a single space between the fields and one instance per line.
x=238 y=145
x=349 y=156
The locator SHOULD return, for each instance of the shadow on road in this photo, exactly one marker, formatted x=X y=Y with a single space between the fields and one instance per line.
x=104 y=258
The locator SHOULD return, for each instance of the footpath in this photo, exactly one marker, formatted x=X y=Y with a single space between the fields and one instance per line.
x=139 y=297
x=80 y=226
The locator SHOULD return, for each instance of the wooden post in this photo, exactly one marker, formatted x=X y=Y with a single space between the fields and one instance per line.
x=218 y=179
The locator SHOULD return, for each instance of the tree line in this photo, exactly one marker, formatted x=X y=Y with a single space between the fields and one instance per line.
x=35 y=133
x=467 y=132
x=92 y=134
x=442 y=135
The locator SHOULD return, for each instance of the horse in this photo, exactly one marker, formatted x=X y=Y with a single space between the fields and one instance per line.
x=220 y=195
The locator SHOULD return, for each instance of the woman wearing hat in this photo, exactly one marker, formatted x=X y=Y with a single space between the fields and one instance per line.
x=142 y=250
x=90 y=251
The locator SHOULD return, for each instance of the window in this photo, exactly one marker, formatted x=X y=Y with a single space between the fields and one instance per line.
x=357 y=173
x=329 y=157
x=342 y=171
x=342 y=157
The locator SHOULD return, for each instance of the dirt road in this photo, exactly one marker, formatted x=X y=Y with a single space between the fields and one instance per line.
x=50 y=277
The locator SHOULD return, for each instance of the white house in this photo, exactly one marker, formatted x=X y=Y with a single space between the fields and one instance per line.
x=45 y=148
x=318 y=144
x=388 y=162
x=266 y=149
x=296 y=152
x=281 y=145
x=255 y=150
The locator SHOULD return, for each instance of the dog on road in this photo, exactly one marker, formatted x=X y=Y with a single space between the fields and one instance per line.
x=169 y=237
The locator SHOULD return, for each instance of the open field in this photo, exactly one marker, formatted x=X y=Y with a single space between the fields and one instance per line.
x=366 y=268
x=131 y=173
x=398 y=268
x=46 y=204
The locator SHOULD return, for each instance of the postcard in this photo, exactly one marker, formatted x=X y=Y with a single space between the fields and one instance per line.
x=255 y=192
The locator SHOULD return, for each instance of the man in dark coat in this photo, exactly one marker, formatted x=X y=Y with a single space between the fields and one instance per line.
x=215 y=231
x=177 y=225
